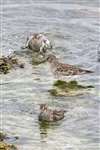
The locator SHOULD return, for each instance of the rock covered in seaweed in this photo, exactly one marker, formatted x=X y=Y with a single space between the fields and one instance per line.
x=71 y=88
x=9 y=62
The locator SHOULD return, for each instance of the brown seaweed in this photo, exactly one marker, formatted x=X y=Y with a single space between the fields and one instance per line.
x=9 y=62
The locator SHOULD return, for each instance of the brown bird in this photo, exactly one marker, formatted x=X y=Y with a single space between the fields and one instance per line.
x=65 y=69
x=50 y=115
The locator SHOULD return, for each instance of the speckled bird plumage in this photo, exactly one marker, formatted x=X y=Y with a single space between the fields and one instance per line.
x=65 y=69
x=50 y=115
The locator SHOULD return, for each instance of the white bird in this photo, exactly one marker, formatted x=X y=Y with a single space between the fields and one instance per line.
x=38 y=43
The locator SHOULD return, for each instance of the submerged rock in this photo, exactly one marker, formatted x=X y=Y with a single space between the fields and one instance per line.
x=2 y=136
x=71 y=88
x=38 y=59
x=5 y=146
x=9 y=62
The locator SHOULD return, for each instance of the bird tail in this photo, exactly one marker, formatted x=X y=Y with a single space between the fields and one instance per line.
x=89 y=71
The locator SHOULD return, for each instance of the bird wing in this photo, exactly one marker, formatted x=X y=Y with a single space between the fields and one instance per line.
x=58 y=112
x=71 y=69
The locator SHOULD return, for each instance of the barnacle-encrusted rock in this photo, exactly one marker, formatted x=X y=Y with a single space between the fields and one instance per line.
x=5 y=146
x=71 y=88
x=9 y=62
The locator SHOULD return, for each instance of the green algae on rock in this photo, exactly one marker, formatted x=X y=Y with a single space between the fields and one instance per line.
x=9 y=62
x=71 y=88
x=71 y=85
x=5 y=146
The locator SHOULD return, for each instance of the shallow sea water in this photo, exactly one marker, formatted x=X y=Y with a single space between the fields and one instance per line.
x=73 y=27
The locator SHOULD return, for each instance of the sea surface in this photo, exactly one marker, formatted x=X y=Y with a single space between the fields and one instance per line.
x=73 y=26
